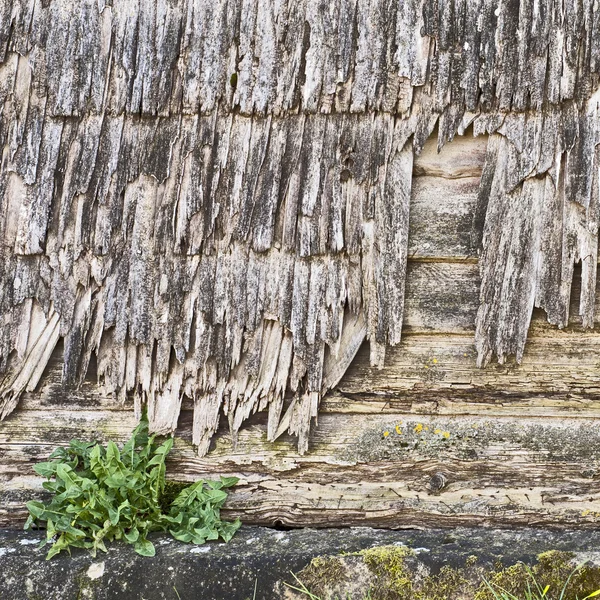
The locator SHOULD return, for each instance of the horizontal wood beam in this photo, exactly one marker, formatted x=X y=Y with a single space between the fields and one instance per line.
x=392 y=470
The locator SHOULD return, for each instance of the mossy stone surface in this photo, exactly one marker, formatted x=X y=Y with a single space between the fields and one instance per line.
x=421 y=565
x=398 y=573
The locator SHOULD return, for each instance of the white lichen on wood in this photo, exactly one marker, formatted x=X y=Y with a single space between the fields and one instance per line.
x=213 y=197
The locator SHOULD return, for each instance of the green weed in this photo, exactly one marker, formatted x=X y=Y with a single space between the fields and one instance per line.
x=103 y=493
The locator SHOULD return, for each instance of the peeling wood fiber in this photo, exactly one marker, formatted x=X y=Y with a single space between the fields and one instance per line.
x=212 y=198
x=518 y=444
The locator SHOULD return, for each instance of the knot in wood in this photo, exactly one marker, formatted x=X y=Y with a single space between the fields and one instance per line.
x=437 y=483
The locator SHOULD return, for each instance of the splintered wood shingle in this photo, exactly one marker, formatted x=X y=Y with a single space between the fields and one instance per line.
x=213 y=197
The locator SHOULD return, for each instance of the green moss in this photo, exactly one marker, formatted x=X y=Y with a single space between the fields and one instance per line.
x=393 y=576
x=471 y=560
x=449 y=583
x=322 y=574
x=396 y=574
x=553 y=569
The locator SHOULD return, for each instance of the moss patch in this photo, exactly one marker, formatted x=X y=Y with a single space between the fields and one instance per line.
x=448 y=583
x=323 y=574
x=553 y=570
x=396 y=573
x=393 y=577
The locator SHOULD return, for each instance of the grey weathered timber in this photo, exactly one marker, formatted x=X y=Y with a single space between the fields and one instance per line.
x=522 y=438
x=211 y=199
x=516 y=444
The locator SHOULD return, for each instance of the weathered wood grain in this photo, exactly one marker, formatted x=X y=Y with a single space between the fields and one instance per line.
x=203 y=202
x=441 y=217
x=249 y=227
x=567 y=364
x=443 y=297
x=497 y=471
x=200 y=203
x=441 y=303
x=356 y=57
x=430 y=372
x=541 y=217
x=464 y=157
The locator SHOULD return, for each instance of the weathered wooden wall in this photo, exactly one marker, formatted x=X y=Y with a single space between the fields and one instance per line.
x=210 y=199
x=429 y=440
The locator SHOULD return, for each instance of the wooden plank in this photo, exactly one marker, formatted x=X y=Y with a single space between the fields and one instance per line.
x=491 y=471
x=441 y=218
x=59 y=426
x=444 y=199
x=462 y=157
x=564 y=365
x=424 y=396
x=455 y=402
x=447 y=392
x=441 y=298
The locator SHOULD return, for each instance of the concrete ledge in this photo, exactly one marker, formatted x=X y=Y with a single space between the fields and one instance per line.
x=256 y=555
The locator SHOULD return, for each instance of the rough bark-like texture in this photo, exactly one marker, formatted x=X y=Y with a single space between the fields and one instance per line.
x=212 y=197
x=522 y=445
x=540 y=185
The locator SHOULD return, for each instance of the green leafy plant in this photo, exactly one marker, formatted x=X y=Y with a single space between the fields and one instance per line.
x=110 y=494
